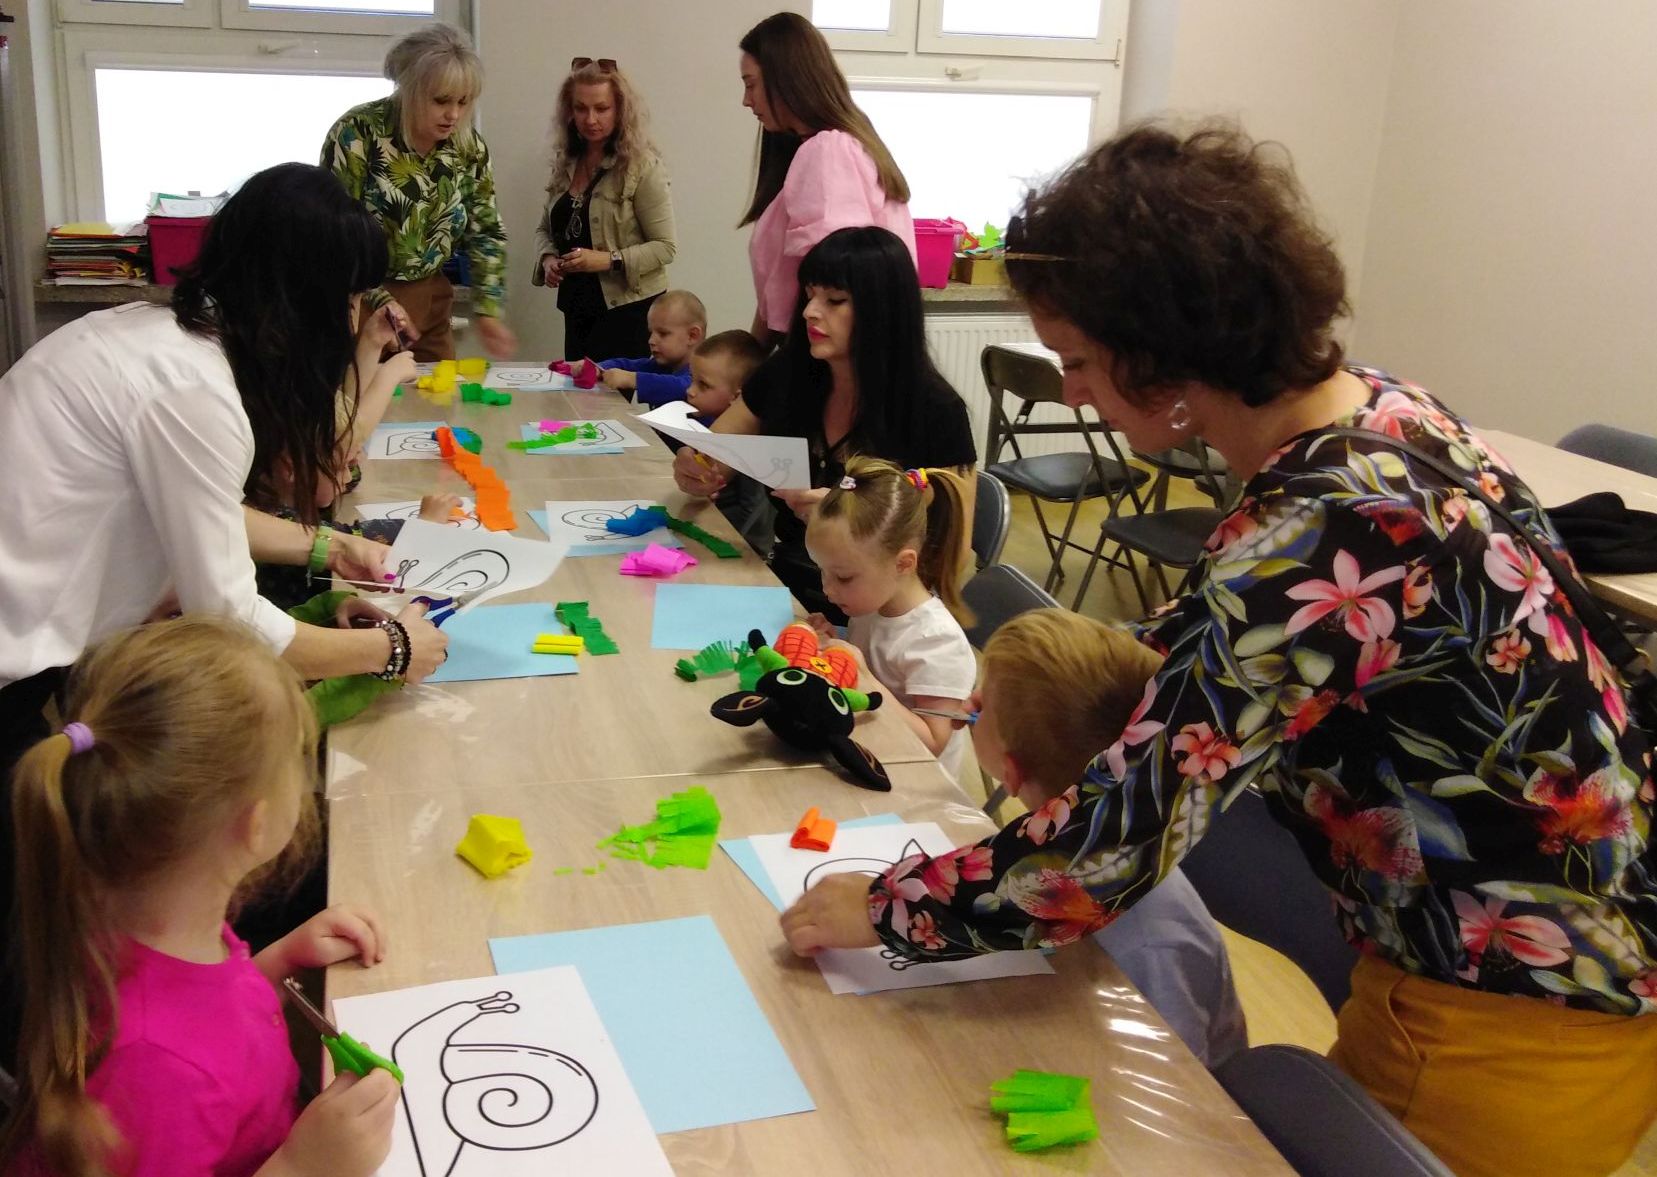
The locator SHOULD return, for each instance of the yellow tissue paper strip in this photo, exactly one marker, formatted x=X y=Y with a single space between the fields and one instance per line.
x=494 y=844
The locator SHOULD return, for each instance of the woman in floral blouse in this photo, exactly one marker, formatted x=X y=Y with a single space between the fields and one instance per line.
x=414 y=160
x=1366 y=645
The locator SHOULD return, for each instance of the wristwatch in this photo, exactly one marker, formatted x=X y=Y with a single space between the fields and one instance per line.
x=615 y=261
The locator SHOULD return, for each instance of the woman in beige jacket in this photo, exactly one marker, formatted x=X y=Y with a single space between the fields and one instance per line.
x=606 y=236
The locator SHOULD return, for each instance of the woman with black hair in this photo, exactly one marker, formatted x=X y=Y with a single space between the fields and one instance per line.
x=130 y=438
x=852 y=377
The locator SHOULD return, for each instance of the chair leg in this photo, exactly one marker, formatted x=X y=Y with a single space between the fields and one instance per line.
x=1065 y=542
x=1087 y=576
x=1138 y=583
x=1055 y=570
x=997 y=796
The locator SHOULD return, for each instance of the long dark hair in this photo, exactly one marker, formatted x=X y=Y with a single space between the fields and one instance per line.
x=897 y=382
x=799 y=73
x=273 y=285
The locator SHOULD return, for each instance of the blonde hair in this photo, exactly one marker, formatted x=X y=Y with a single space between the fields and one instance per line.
x=1063 y=688
x=897 y=508
x=629 y=142
x=799 y=73
x=436 y=59
x=189 y=720
x=737 y=345
x=684 y=304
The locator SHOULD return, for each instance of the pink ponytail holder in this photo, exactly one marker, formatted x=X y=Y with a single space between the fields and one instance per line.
x=80 y=738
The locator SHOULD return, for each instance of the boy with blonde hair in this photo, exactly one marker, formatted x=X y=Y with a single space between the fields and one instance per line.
x=678 y=321
x=1057 y=689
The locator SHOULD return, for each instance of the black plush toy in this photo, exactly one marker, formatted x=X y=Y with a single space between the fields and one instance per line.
x=806 y=710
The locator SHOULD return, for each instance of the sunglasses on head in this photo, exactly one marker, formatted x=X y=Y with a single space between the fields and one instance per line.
x=606 y=65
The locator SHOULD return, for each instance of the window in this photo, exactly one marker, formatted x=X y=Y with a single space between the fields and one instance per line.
x=182 y=95
x=957 y=174
x=239 y=124
x=980 y=99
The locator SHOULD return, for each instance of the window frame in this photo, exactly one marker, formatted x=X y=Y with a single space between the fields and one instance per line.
x=197 y=14
x=246 y=14
x=87 y=50
x=899 y=36
x=1106 y=46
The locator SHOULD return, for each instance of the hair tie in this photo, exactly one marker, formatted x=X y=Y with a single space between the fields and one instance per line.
x=80 y=738
x=848 y=483
x=917 y=478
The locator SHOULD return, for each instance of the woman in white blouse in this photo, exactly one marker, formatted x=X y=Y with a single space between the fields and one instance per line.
x=130 y=438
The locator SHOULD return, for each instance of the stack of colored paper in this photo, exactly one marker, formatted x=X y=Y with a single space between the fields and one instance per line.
x=1044 y=1109
x=656 y=560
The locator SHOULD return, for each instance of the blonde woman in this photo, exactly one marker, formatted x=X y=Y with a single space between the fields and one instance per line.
x=606 y=236
x=415 y=162
x=822 y=167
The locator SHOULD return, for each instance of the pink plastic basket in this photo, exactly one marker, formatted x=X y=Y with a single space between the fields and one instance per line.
x=174 y=243
x=935 y=244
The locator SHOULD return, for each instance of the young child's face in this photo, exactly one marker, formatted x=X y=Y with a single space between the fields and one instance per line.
x=672 y=337
x=713 y=384
x=857 y=575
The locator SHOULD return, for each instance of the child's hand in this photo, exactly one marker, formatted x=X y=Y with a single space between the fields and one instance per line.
x=832 y=641
x=337 y=933
x=379 y=330
x=826 y=631
x=437 y=508
x=399 y=369
x=620 y=381
x=833 y=914
x=345 y=1132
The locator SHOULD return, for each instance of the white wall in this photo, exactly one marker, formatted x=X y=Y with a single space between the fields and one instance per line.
x=1512 y=246
x=1310 y=74
x=683 y=58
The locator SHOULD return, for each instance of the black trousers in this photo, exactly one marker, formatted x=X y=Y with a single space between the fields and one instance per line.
x=609 y=333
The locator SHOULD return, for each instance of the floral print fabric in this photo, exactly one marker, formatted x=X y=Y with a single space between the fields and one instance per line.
x=431 y=205
x=1418 y=703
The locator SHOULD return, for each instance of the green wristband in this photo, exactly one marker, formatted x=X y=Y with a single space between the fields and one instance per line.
x=319 y=549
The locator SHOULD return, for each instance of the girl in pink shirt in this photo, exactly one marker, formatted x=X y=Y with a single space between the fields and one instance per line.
x=821 y=167
x=153 y=1043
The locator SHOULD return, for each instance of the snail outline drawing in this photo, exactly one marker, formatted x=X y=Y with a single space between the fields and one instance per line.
x=870 y=867
x=492 y=1096
x=470 y=572
x=390 y=441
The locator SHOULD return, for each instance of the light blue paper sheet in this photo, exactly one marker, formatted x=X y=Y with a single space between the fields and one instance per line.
x=571 y=449
x=493 y=641
x=741 y=852
x=690 y=616
x=695 y=1043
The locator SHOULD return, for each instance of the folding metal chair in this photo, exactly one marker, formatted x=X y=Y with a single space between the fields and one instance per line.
x=992 y=519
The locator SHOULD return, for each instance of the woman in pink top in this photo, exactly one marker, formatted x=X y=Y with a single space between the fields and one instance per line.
x=153 y=1041
x=821 y=165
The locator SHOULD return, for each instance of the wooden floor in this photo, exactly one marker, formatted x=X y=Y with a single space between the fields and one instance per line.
x=1280 y=1001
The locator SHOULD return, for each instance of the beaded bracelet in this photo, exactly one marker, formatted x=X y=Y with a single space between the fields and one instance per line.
x=397 y=665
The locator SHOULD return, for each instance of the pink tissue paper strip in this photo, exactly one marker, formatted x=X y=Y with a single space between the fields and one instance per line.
x=656 y=560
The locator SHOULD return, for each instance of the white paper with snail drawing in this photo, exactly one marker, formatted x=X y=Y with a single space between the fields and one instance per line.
x=505 y=1076
x=440 y=561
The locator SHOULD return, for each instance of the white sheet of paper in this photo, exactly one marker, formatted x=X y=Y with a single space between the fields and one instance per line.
x=505 y=1076
x=411 y=510
x=579 y=525
x=778 y=462
x=611 y=435
x=869 y=851
x=403 y=439
x=537 y=379
x=433 y=558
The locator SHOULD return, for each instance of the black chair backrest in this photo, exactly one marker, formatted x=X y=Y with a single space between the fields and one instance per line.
x=1620 y=447
x=1254 y=877
x=1323 y=1123
x=997 y=595
x=1033 y=381
x=992 y=519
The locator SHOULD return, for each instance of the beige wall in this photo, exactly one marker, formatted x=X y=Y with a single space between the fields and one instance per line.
x=1512 y=247
x=1311 y=74
x=683 y=57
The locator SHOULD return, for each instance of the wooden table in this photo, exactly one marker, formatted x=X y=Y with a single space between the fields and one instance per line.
x=1557 y=477
x=900 y=1079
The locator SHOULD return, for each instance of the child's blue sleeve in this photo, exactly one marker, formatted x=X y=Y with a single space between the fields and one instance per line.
x=626 y=365
x=661 y=388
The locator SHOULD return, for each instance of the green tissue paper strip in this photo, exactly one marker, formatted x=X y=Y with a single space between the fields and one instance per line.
x=717 y=658
x=1044 y=1109
x=724 y=549
x=1030 y=1131
x=683 y=834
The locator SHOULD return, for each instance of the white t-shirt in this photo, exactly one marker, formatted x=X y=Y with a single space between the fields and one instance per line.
x=123 y=452
x=923 y=652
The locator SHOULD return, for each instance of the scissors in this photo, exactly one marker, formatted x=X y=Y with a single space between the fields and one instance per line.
x=348 y=1054
x=442 y=607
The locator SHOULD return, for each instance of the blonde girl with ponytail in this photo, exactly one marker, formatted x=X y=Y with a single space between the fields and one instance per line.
x=152 y=1042
x=889 y=542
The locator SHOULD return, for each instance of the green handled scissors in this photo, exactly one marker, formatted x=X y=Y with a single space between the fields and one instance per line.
x=348 y=1054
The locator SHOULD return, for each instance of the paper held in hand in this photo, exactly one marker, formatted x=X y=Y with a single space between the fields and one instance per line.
x=779 y=462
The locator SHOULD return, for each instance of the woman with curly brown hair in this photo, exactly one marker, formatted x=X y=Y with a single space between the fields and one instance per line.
x=606 y=236
x=1370 y=644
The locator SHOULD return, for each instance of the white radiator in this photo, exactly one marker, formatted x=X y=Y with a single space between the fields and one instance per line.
x=956 y=342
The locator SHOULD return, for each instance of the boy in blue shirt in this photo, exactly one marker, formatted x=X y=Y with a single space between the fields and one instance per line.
x=678 y=321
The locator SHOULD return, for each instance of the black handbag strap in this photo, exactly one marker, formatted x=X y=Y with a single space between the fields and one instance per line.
x=1630 y=662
